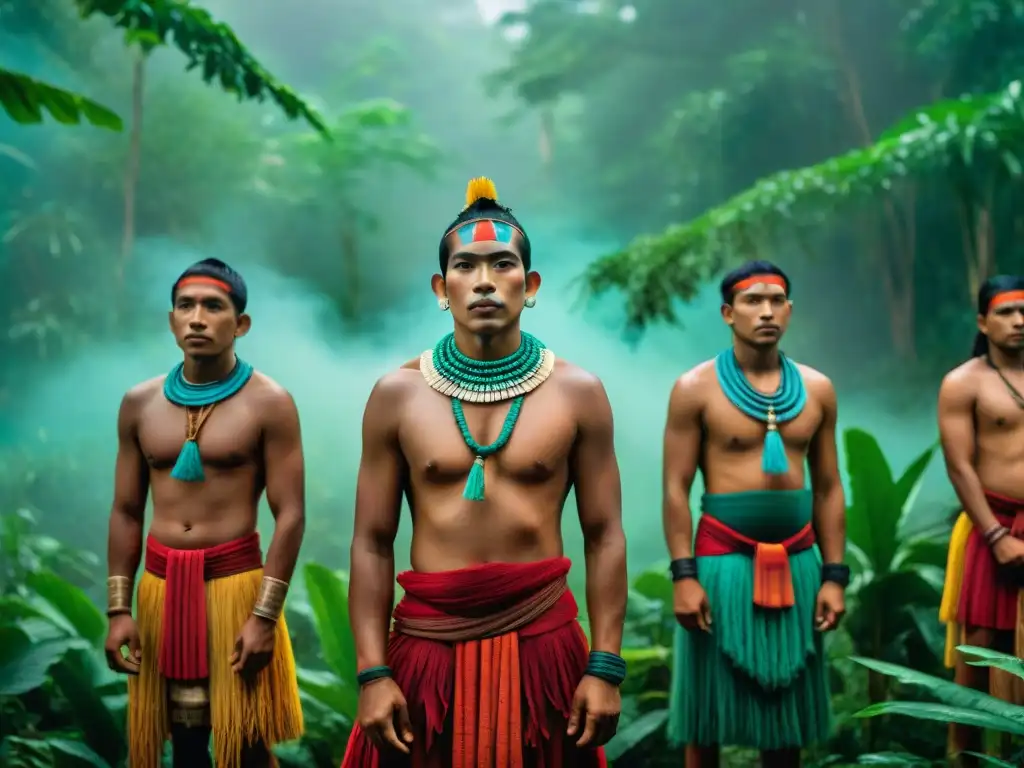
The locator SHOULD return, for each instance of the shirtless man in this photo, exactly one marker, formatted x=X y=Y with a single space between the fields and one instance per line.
x=487 y=664
x=751 y=594
x=981 y=423
x=210 y=652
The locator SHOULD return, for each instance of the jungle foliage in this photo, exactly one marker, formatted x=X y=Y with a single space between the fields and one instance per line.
x=875 y=147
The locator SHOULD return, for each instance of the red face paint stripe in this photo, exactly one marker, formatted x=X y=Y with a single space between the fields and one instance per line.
x=484 y=232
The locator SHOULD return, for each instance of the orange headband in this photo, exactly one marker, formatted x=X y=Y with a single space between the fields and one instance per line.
x=201 y=280
x=742 y=285
x=1005 y=297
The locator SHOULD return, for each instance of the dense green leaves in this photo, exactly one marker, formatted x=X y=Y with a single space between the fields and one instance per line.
x=958 y=704
x=947 y=138
x=26 y=99
x=209 y=45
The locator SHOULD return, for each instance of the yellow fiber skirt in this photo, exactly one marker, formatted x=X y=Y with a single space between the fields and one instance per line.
x=266 y=712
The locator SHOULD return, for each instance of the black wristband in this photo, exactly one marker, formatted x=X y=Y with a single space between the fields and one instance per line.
x=370 y=674
x=837 y=573
x=683 y=568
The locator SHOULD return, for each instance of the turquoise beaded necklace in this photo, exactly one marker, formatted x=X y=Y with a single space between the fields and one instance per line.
x=464 y=379
x=785 y=404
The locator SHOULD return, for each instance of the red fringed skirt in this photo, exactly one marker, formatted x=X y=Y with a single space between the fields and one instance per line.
x=988 y=596
x=488 y=659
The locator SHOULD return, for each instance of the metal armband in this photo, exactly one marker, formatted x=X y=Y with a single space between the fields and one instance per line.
x=119 y=595
x=270 y=603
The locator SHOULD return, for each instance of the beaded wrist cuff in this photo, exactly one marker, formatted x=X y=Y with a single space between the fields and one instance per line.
x=609 y=667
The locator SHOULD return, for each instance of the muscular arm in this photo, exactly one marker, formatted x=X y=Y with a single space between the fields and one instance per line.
x=371 y=588
x=599 y=502
x=680 y=458
x=131 y=486
x=286 y=484
x=957 y=433
x=829 y=501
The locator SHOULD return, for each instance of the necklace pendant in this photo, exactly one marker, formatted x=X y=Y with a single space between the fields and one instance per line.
x=479 y=461
x=773 y=424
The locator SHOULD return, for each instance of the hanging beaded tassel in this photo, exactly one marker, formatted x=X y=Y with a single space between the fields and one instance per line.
x=189 y=466
x=474 y=490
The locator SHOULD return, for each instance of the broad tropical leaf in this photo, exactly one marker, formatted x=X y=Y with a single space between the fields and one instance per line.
x=24 y=665
x=989 y=658
x=949 y=693
x=76 y=676
x=328 y=597
x=872 y=521
x=638 y=730
x=944 y=713
x=25 y=99
x=72 y=603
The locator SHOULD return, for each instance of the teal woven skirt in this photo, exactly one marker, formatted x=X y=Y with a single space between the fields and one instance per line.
x=760 y=679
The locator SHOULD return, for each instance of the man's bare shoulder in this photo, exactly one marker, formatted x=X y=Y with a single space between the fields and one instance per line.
x=578 y=378
x=964 y=378
x=695 y=380
x=817 y=383
x=143 y=392
x=271 y=397
x=397 y=384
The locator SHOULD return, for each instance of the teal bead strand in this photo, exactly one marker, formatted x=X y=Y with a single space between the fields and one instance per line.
x=474 y=490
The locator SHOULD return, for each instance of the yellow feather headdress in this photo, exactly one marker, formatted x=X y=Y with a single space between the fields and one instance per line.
x=478 y=188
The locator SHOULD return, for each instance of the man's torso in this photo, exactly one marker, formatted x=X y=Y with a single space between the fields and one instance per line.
x=223 y=507
x=732 y=443
x=999 y=425
x=526 y=481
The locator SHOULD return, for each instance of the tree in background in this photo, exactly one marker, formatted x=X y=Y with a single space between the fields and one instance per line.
x=679 y=106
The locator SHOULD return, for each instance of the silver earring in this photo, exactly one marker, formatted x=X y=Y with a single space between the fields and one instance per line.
x=443 y=304
x=531 y=302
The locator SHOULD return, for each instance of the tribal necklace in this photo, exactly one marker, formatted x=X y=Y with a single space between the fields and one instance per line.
x=1014 y=392
x=464 y=379
x=198 y=400
x=785 y=404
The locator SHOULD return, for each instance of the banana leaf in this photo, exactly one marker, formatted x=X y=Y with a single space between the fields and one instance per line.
x=944 y=713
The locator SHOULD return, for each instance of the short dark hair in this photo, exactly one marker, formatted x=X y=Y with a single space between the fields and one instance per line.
x=217 y=270
x=744 y=271
x=988 y=291
x=485 y=208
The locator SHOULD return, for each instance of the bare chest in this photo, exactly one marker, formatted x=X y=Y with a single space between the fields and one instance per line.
x=998 y=414
x=229 y=435
x=727 y=428
x=538 y=446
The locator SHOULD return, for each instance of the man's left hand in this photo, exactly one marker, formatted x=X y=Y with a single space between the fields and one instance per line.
x=254 y=647
x=597 y=705
x=830 y=607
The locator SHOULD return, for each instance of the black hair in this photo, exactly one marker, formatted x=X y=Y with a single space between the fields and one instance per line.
x=218 y=270
x=742 y=272
x=988 y=291
x=484 y=208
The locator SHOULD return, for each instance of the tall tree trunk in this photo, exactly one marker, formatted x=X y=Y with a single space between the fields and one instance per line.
x=131 y=168
x=896 y=243
x=978 y=239
x=349 y=294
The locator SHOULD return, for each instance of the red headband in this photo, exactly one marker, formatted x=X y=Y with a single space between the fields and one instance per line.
x=1005 y=297
x=202 y=280
x=742 y=285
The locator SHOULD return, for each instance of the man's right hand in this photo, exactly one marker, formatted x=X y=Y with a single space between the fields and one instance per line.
x=381 y=704
x=691 y=605
x=123 y=633
x=1009 y=551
